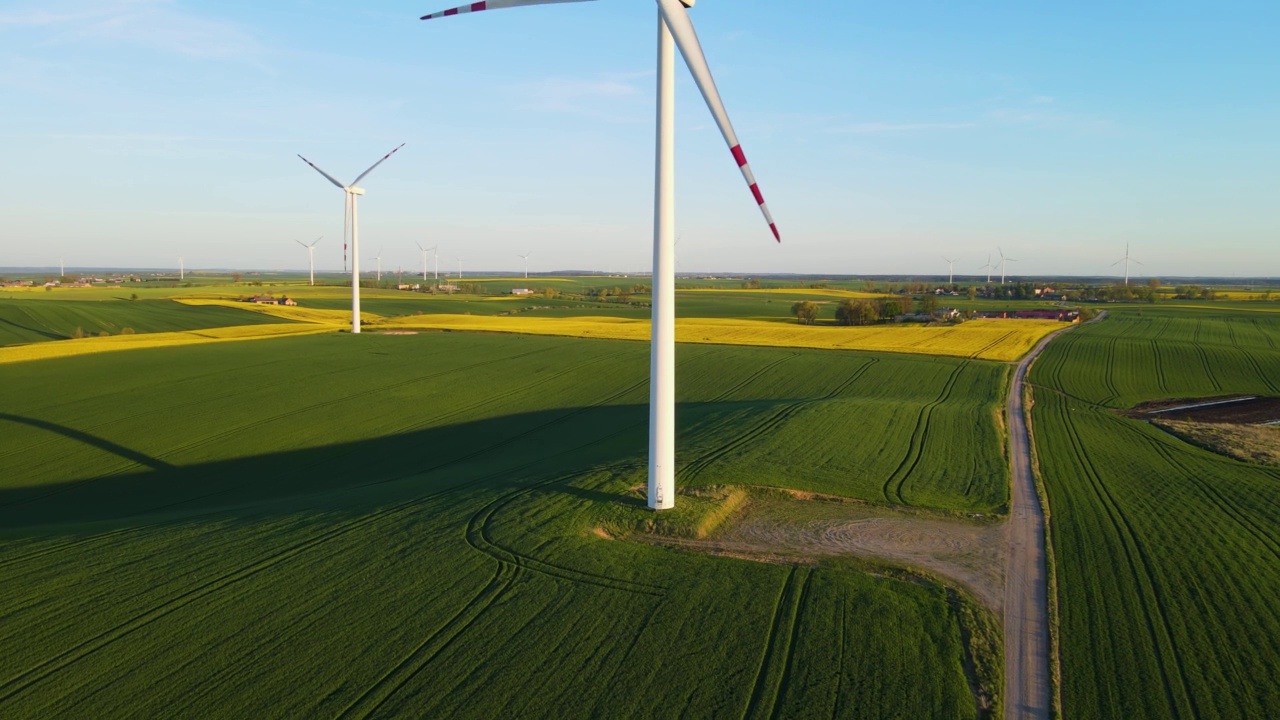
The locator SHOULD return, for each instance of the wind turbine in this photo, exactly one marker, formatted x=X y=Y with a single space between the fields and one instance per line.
x=378 y=259
x=951 y=271
x=424 y=260
x=675 y=29
x=1004 y=260
x=182 y=270
x=1126 y=260
x=460 y=259
x=62 y=268
x=351 y=222
x=988 y=267
x=526 y=264
x=311 y=255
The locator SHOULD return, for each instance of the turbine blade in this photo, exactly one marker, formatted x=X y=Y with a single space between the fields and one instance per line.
x=681 y=27
x=492 y=5
x=365 y=174
x=317 y=240
x=327 y=175
x=1139 y=262
x=300 y=243
x=1118 y=262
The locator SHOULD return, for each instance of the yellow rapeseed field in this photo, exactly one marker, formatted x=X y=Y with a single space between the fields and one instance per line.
x=1003 y=340
x=85 y=346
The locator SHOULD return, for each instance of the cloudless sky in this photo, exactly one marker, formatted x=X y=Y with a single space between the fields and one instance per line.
x=883 y=135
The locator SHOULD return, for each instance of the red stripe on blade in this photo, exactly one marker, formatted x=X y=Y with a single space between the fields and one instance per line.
x=755 y=190
x=477 y=7
x=738 y=155
x=774 y=228
x=447 y=13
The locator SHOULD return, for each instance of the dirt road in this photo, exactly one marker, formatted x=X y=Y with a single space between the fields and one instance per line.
x=1026 y=608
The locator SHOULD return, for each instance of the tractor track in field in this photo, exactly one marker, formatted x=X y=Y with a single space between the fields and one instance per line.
x=898 y=478
x=1226 y=506
x=844 y=621
x=746 y=382
x=1257 y=367
x=20 y=682
x=393 y=680
x=24 y=680
x=774 y=420
x=346 y=398
x=1158 y=626
x=776 y=660
x=995 y=343
x=1159 y=363
x=1271 y=343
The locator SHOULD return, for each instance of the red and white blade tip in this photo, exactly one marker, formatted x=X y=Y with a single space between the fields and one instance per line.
x=676 y=16
x=492 y=5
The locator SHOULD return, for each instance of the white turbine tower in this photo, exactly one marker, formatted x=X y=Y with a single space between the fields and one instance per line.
x=1003 y=260
x=951 y=270
x=62 y=268
x=378 y=260
x=424 y=260
x=1126 y=260
x=988 y=267
x=460 y=259
x=675 y=29
x=182 y=270
x=351 y=222
x=311 y=256
x=526 y=264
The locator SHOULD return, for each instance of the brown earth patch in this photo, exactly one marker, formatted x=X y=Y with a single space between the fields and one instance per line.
x=803 y=527
x=1239 y=409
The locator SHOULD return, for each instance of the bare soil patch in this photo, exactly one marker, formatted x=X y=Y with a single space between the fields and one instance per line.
x=802 y=527
x=1239 y=410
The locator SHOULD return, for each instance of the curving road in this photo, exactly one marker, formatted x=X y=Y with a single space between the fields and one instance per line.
x=1026 y=608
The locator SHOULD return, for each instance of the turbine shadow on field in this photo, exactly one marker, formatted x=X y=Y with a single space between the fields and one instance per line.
x=547 y=449
x=86 y=438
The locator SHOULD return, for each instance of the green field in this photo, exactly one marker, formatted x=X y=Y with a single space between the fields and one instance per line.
x=406 y=525
x=24 y=320
x=1168 y=556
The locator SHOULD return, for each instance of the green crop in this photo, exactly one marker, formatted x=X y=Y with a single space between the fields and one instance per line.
x=1168 y=556
x=377 y=526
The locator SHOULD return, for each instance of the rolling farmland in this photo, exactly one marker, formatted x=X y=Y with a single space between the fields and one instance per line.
x=24 y=320
x=1168 y=556
x=202 y=530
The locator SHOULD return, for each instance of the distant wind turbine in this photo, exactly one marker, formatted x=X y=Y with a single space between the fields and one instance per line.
x=1126 y=260
x=311 y=256
x=526 y=264
x=351 y=227
x=62 y=268
x=459 y=268
x=951 y=270
x=675 y=29
x=988 y=267
x=1004 y=260
x=378 y=260
x=424 y=260
x=182 y=270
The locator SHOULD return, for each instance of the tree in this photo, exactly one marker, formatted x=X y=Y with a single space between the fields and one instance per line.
x=806 y=312
x=856 y=312
x=235 y=277
x=928 y=304
x=972 y=292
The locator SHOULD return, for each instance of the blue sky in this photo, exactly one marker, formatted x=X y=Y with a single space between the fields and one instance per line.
x=884 y=135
